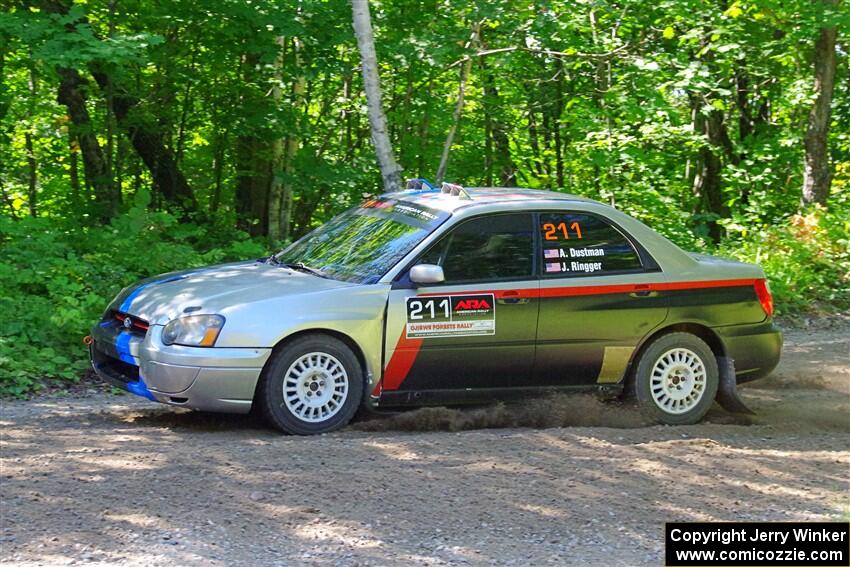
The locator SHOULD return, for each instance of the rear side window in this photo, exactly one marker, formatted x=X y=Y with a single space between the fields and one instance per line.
x=486 y=248
x=577 y=244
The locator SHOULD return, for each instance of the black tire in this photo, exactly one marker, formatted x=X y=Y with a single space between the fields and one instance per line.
x=672 y=414
x=270 y=396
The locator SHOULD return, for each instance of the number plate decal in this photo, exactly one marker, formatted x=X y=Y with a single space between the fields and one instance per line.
x=451 y=316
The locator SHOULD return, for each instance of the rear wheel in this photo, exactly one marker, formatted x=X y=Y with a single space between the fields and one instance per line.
x=312 y=385
x=677 y=378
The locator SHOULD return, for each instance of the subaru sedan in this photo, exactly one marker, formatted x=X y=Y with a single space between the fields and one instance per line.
x=435 y=296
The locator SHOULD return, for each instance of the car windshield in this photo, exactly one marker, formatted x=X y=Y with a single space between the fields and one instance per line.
x=363 y=243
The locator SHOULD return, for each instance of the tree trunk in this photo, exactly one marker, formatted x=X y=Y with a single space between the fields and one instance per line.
x=461 y=95
x=32 y=164
x=145 y=137
x=115 y=196
x=7 y=200
x=817 y=174
x=149 y=143
x=390 y=170
x=218 y=171
x=32 y=176
x=534 y=140
x=184 y=113
x=252 y=184
x=497 y=145
x=284 y=151
x=556 y=120
x=707 y=186
x=277 y=163
x=72 y=87
x=74 y=168
x=5 y=138
x=423 y=132
x=293 y=143
x=253 y=167
x=488 y=144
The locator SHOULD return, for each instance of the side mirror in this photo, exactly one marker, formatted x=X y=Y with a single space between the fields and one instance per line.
x=427 y=274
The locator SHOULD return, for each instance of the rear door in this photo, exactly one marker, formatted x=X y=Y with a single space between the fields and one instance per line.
x=477 y=329
x=597 y=300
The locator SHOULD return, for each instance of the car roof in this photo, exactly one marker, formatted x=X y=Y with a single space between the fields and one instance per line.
x=435 y=198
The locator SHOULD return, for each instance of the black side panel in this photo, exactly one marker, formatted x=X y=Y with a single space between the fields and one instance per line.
x=404 y=398
x=468 y=367
x=716 y=306
x=574 y=331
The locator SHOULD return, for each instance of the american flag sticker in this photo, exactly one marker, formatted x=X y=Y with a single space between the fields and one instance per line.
x=551 y=253
x=553 y=266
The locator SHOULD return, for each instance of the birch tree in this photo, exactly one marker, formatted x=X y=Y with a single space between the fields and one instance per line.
x=817 y=173
x=390 y=170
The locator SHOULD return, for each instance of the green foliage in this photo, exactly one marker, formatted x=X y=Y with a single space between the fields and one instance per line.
x=56 y=278
x=806 y=259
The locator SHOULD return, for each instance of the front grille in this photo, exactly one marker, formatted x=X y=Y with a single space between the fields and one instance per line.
x=137 y=326
x=114 y=368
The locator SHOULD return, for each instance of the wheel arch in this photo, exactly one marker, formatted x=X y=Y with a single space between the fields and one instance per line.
x=344 y=338
x=699 y=330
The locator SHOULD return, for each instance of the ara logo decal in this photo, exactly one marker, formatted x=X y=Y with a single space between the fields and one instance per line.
x=468 y=304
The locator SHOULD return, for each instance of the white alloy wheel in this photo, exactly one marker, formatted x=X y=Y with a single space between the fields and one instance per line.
x=315 y=387
x=678 y=380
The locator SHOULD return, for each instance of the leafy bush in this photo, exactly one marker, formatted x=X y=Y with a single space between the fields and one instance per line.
x=56 y=278
x=806 y=259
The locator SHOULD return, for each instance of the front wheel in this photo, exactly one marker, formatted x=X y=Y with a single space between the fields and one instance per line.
x=312 y=385
x=677 y=378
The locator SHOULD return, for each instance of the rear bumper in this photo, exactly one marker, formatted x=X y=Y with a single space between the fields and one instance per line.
x=755 y=349
x=211 y=379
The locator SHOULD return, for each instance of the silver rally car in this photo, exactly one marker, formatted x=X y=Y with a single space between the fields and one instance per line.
x=450 y=295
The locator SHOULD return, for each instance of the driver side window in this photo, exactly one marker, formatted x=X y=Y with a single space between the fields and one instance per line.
x=494 y=247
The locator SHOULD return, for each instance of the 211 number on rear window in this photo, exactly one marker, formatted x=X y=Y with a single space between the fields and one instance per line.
x=580 y=245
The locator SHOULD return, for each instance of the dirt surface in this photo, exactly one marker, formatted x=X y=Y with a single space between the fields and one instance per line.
x=105 y=479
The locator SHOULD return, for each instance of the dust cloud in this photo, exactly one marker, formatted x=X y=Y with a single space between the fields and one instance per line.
x=559 y=410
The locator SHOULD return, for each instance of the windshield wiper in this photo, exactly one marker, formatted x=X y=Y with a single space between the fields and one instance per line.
x=300 y=266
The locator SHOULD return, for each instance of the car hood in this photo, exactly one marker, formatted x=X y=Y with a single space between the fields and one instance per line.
x=215 y=289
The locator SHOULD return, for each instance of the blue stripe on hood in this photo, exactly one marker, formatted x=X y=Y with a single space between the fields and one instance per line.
x=128 y=301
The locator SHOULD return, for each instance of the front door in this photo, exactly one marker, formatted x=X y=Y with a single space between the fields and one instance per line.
x=597 y=300
x=477 y=329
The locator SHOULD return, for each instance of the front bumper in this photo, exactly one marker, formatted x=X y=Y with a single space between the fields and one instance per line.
x=210 y=379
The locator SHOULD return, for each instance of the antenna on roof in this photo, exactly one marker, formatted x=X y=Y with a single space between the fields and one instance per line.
x=456 y=190
x=419 y=184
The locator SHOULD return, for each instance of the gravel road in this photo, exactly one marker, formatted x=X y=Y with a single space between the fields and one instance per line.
x=104 y=479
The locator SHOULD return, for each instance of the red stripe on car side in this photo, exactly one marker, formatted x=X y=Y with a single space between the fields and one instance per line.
x=629 y=288
x=401 y=362
x=562 y=291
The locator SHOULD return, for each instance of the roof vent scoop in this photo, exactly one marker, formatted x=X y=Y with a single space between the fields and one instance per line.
x=456 y=191
x=419 y=185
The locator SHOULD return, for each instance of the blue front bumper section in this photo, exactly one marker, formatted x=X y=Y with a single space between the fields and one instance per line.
x=140 y=389
x=133 y=382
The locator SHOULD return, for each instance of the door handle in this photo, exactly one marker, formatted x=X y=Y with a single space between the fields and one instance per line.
x=643 y=290
x=511 y=297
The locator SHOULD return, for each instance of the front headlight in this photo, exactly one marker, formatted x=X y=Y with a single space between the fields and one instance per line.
x=195 y=330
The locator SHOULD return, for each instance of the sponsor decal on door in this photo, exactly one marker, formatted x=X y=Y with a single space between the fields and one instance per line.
x=451 y=316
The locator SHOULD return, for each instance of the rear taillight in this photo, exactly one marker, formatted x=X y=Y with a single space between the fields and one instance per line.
x=763 y=293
